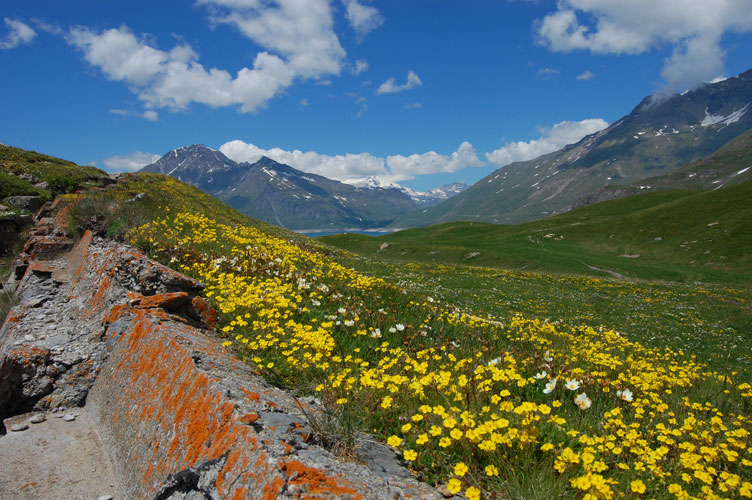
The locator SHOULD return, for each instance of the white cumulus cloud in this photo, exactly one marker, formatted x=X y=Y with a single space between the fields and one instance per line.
x=149 y=114
x=362 y=18
x=19 y=33
x=391 y=87
x=407 y=167
x=297 y=38
x=350 y=167
x=547 y=73
x=130 y=162
x=339 y=167
x=300 y=31
x=359 y=67
x=552 y=139
x=587 y=75
x=692 y=27
x=175 y=79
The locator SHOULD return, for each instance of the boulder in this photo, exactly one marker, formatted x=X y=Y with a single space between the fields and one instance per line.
x=30 y=203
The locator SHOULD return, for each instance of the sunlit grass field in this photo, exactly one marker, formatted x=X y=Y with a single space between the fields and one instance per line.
x=488 y=383
x=685 y=236
x=711 y=321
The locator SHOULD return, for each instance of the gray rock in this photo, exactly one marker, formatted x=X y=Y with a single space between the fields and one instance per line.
x=30 y=203
x=381 y=459
x=57 y=340
x=19 y=427
x=38 y=300
x=105 y=497
x=69 y=417
x=29 y=177
x=67 y=358
x=139 y=196
x=53 y=370
x=38 y=418
x=42 y=185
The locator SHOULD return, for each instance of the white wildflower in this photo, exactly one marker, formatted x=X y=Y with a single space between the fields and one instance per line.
x=550 y=386
x=625 y=395
x=582 y=401
x=572 y=384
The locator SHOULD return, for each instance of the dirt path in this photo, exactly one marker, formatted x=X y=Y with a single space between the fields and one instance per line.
x=55 y=459
x=616 y=275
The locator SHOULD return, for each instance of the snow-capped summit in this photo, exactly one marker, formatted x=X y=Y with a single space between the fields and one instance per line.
x=422 y=199
x=374 y=182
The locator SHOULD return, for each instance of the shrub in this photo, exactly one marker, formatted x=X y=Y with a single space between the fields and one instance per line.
x=107 y=217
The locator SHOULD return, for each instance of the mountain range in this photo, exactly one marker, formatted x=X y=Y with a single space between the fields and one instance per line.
x=660 y=145
x=657 y=137
x=287 y=197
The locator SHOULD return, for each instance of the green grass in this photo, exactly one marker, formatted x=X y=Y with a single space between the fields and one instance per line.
x=62 y=176
x=688 y=289
x=675 y=236
x=722 y=167
x=143 y=197
x=713 y=322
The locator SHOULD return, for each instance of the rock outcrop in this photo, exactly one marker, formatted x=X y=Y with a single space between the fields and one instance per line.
x=102 y=326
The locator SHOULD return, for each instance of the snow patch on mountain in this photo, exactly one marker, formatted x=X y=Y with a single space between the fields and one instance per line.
x=421 y=198
x=724 y=120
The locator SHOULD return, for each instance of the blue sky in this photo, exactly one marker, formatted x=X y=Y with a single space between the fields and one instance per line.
x=420 y=92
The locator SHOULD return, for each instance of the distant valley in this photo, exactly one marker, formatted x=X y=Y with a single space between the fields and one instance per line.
x=284 y=196
x=652 y=142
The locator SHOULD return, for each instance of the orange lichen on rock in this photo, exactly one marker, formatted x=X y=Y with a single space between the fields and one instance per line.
x=115 y=313
x=272 y=488
x=252 y=396
x=13 y=317
x=180 y=400
x=249 y=418
x=167 y=301
x=28 y=355
x=78 y=254
x=206 y=313
x=317 y=481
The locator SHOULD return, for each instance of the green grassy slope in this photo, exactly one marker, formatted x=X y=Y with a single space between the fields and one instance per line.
x=142 y=197
x=726 y=167
x=684 y=235
x=62 y=176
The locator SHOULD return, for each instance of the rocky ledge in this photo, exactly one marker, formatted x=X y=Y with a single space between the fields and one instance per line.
x=102 y=332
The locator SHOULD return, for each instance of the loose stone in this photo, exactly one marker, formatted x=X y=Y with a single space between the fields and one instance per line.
x=69 y=417
x=38 y=418
x=19 y=427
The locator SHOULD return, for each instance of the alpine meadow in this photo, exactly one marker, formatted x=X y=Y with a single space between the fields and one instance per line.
x=564 y=315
